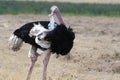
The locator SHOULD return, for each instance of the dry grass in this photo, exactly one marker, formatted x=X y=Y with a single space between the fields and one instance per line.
x=95 y=55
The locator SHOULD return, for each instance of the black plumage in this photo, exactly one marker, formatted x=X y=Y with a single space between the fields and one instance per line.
x=23 y=33
x=61 y=37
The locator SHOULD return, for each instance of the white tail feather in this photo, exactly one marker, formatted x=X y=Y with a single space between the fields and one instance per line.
x=15 y=43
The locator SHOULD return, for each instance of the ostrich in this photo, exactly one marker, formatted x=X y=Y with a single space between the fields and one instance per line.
x=47 y=36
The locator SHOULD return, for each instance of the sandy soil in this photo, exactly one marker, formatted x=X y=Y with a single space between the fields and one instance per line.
x=95 y=55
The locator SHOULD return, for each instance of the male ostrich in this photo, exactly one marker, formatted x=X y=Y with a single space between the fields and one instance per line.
x=47 y=36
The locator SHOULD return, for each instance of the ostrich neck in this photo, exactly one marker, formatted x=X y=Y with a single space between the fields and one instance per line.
x=59 y=17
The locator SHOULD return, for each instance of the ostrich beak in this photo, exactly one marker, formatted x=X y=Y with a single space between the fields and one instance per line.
x=53 y=10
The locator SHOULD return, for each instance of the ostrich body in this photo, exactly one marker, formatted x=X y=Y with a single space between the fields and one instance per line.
x=47 y=36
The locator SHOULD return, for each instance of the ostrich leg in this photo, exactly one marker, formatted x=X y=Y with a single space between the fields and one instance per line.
x=33 y=57
x=45 y=62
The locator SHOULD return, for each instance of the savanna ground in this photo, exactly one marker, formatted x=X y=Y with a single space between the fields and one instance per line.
x=95 y=55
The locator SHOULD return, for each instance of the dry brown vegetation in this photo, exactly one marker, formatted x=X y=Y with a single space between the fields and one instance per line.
x=95 y=55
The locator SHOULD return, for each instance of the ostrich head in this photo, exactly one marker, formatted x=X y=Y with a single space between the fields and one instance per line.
x=55 y=10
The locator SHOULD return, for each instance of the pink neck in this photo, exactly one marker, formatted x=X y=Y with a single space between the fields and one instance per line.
x=59 y=17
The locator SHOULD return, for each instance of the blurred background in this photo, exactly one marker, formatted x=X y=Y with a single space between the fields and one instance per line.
x=68 y=7
x=96 y=51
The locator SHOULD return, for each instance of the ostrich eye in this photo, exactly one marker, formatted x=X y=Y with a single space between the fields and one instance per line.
x=39 y=39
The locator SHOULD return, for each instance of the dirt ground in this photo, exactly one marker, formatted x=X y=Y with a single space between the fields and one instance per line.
x=95 y=55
